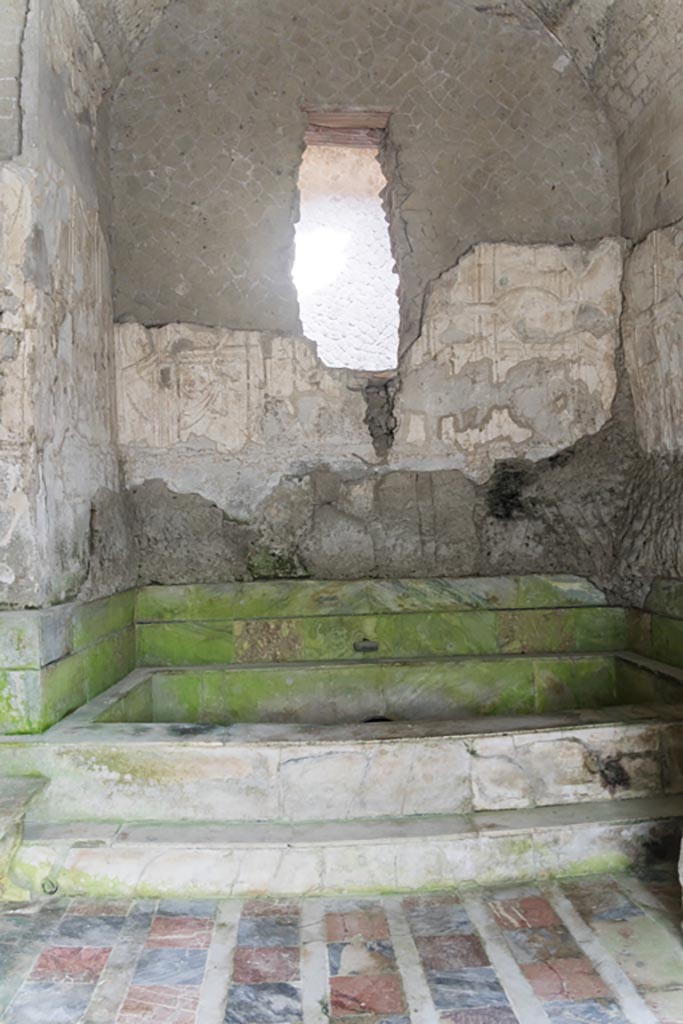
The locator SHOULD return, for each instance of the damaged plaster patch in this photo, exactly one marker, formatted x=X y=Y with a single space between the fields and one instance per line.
x=517 y=355
x=183 y=538
x=380 y=396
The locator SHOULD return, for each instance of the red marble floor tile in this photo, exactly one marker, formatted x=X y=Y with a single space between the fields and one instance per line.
x=366 y=995
x=99 y=908
x=159 y=1004
x=254 y=964
x=568 y=978
x=70 y=963
x=270 y=908
x=184 y=932
x=368 y=924
x=528 y=912
x=448 y=952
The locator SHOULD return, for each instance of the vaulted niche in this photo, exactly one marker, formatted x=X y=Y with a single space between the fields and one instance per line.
x=344 y=268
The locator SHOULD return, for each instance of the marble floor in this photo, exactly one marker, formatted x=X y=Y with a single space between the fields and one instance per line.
x=599 y=949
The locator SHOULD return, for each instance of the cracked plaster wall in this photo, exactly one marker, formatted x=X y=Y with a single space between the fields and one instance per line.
x=494 y=135
x=57 y=433
x=246 y=444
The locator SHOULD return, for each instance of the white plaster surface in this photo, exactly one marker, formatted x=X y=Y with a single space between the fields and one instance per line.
x=343 y=269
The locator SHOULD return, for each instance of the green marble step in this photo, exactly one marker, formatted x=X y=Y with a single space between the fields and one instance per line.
x=364 y=637
x=401 y=690
x=293 y=598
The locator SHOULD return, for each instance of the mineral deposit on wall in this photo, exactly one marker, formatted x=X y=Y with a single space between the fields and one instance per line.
x=516 y=355
x=652 y=338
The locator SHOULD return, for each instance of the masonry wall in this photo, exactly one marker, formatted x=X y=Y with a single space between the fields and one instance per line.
x=494 y=135
x=57 y=413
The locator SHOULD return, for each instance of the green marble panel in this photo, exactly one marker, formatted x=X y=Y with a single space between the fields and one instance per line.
x=97 y=619
x=20 y=700
x=535 y=632
x=562 y=684
x=295 y=598
x=557 y=592
x=184 y=643
x=333 y=637
x=20 y=640
x=177 y=699
x=70 y=682
x=639 y=637
x=666 y=598
x=667 y=640
x=601 y=629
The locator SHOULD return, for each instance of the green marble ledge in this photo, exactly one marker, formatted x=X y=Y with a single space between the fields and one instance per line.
x=293 y=598
x=404 y=635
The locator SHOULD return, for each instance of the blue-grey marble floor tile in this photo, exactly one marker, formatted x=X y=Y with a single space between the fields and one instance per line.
x=187 y=908
x=267 y=931
x=467 y=988
x=528 y=945
x=49 y=1003
x=77 y=930
x=277 y=1003
x=440 y=919
x=588 y=1011
x=170 y=966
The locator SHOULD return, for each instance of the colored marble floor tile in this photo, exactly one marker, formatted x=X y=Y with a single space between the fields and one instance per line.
x=70 y=963
x=268 y=931
x=187 y=908
x=467 y=988
x=565 y=979
x=527 y=912
x=350 y=958
x=254 y=964
x=366 y=924
x=382 y=994
x=491 y=1015
x=99 y=908
x=170 y=967
x=49 y=1003
x=276 y=1003
x=437 y=918
x=187 y=932
x=601 y=901
x=81 y=930
x=270 y=908
x=529 y=945
x=159 y=1004
x=448 y=952
x=589 y=1011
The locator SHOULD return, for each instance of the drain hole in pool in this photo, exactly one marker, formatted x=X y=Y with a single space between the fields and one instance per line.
x=379 y=718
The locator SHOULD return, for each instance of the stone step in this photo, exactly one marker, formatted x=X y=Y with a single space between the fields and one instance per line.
x=287 y=772
x=216 y=860
x=408 y=689
x=16 y=793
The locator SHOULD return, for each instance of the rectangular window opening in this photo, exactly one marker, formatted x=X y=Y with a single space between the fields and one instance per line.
x=344 y=268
